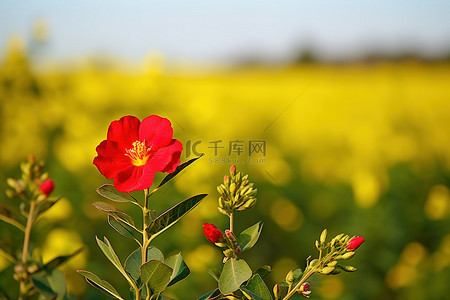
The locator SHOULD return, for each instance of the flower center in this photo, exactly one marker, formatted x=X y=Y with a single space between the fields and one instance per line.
x=139 y=154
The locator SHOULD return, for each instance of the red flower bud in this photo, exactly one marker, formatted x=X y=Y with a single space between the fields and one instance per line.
x=233 y=169
x=354 y=243
x=212 y=233
x=305 y=287
x=47 y=187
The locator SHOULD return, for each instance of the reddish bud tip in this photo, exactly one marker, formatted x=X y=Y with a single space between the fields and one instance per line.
x=305 y=287
x=47 y=187
x=233 y=169
x=212 y=233
x=354 y=243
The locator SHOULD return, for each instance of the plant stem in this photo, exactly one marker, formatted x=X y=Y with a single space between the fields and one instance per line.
x=299 y=284
x=145 y=239
x=231 y=221
x=25 y=249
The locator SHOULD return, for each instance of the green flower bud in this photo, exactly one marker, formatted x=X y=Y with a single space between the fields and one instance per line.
x=229 y=253
x=232 y=188
x=276 y=291
x=348 y=268
x=290 y=278
x=327 y=270
x=323 y=236
x=332 y=263
x=348 y=255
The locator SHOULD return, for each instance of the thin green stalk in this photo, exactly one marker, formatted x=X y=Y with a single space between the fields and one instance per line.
x=231 y=215
x=25 y=249
x=299 y=284
x=145 y=238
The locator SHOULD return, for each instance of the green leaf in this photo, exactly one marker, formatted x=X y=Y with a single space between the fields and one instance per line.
x=297 y=276
x=11 y=217
x=114 y=211
x=54 y=263
x=50 y=284
x=180 y=269
x=264 y=271
x=43 y=206
x=177 y=170
x=134 y=261
x=234 y=273
x=214 y=274
x=108 y=191
x=257 y=287
x=109 y=252
x=123 y=228
x=102 y=285
x=248 y=238
x=171 y=216
x=210 y=295
x=156 y=276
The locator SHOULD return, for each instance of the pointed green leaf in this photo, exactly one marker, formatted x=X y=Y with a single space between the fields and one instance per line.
x=134 y=261
x=8 y=215
x=257 y=287
x=177 y=170
x=180 y=269
x=156 y=276
x=114 y=211
x=54 y=263
x=43 y=206
x=171 y=216
x=248 y=238
x=264 y=271
x=108 y=191
x=210 y=295
x=234 y=273
x=123 y=228
x=109 y=252
x=102 y=285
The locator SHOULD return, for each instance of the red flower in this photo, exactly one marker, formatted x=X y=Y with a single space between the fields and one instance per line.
x=47 y=187
x=134 y=151
x=354 y=243
x=212 y=233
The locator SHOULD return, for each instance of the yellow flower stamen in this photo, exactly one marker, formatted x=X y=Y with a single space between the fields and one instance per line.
x=139 y=154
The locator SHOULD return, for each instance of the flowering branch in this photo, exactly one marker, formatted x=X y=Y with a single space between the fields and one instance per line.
x=131 y=155
x=33 y=191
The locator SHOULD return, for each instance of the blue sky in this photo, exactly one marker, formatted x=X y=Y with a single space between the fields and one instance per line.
x=211 y=30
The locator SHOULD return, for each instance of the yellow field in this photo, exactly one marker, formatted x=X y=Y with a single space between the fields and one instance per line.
x=330 y=124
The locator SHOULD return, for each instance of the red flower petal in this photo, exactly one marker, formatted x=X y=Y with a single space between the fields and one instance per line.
x=133 y=179
x=124 y=131
x=156 y=131
x=47 y=187
x=110 y=160
x=165 y=159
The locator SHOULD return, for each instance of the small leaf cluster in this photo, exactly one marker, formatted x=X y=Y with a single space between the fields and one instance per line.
x=146 y=270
